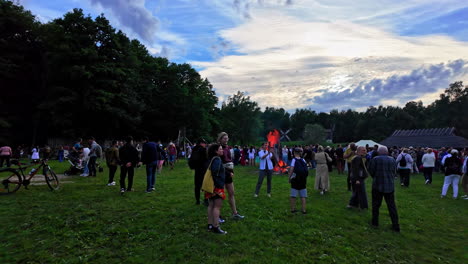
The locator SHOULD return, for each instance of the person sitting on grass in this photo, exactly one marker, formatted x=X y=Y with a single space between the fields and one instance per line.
x=298 y=178
x=215 y=199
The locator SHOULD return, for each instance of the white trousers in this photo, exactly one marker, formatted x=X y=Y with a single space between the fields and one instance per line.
x=451 y=179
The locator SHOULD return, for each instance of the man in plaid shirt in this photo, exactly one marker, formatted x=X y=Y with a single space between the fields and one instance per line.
x=383 y=170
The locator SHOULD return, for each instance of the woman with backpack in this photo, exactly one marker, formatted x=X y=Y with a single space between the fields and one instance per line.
x=405 y=163
x=453 y=166
x=298 y=173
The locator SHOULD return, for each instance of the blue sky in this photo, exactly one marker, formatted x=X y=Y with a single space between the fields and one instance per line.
x=318 y=54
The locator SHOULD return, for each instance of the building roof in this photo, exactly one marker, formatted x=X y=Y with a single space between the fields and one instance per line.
x=431 y=137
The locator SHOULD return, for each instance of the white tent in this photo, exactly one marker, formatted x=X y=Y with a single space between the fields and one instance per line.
x=364 y=142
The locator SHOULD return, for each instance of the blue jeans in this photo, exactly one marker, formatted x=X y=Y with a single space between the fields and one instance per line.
x=151 y=174
x=85 y=168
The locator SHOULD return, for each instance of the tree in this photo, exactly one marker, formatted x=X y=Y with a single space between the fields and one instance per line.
x=240 y=118
x=314 y=134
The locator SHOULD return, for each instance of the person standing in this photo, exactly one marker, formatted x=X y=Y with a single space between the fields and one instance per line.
x=149 y=157
x=252 y=156
x=172 y=150
x=453 y=167
x=382 y=169
x=112 y=160
x=94 y=154
x=428 y=163
x=322 y=179
x=339 y=159
x=223 y=139
x=199 y=163
x=266 y=169
x=128 y=155
x=464 y=180
x=35 y=155
x=349 y=155
x=84 y=157
x=60 y=153
x=215 y=151
x=298 y=178
x=405 y=164
x=5 y=155
x=358 y=176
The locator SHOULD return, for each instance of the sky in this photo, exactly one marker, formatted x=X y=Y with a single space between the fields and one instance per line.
x=317 y=54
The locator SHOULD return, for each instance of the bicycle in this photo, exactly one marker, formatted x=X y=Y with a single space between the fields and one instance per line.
x=12 y=178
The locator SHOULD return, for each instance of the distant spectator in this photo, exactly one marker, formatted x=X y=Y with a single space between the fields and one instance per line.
x=94 y=154
x=428 y=163
x=358 y=176
x=128 y=155
x=46 y=152
x=298 y=174
x=112 y=160
x=453 y=167
x=35 y=154
x=5 y=155
x=404 y=167
x=60 y=153
x=322 y=178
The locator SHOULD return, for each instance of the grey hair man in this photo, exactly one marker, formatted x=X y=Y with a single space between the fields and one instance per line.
x=383 y=170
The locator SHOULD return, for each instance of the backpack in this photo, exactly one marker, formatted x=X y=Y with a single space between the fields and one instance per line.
x=403 y=161
x=300 y=168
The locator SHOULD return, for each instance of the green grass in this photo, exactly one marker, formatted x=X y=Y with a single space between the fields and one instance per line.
x=88 y=222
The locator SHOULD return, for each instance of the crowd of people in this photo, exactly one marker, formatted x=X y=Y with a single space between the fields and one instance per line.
x=382 y=164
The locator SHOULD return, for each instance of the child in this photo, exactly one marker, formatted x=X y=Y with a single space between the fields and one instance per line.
x=298 y=178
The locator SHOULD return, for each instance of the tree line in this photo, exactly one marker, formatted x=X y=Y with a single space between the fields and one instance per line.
x=76 y=76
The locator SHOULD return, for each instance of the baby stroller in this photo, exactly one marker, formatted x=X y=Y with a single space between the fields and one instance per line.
x=75 y=165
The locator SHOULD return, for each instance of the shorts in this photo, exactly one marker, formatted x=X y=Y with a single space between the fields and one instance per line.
x=302 y=193
x=228 y=179
x=171 y=158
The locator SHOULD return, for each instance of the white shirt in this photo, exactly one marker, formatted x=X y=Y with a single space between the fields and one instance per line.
x=428 y=160
x=85 y=154
x=265 y=161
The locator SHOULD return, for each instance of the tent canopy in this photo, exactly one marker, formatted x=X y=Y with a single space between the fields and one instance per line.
x=364 y=142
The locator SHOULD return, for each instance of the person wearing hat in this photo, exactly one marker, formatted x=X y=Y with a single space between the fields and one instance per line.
x=453 y=169
x=199 y=162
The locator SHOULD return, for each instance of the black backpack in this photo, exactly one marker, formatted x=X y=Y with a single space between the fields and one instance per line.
x=403 y=161
x=300 y=168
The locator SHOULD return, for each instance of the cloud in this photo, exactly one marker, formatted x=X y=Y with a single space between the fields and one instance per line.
x=134 y=15
x=400 y=88
x=281 y=60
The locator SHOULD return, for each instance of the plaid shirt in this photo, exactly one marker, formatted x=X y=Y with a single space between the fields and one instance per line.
x=383 y=170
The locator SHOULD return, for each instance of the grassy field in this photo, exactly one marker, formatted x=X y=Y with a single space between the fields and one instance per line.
x=88 y=222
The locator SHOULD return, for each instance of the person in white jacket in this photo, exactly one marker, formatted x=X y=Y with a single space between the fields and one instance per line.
x=428 y=162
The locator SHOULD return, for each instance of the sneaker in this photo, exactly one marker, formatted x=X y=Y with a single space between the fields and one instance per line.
x=350 y=206
x=304 y=212
x=218 y=230
x=269 y=195
x=221 y=220
x=148 y=191
x=294 y=211
x=255 y=195
x=321 y=192
x=84 y=175
x=427 y=181
x=402 y=184
x=209 y=228
x=122 y=190
x=466 y=198
x=111 y=184
x=442 y=196
x=238 y=216
x=153 y=189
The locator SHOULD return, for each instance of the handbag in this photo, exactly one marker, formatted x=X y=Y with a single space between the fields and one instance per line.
x=208 y=182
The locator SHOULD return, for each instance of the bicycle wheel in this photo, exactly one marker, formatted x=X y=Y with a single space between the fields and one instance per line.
x=51 y=179
x=10 y=181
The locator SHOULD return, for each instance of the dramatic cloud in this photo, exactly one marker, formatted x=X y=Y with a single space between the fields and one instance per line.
x=402 y=88
x=134 y=15
x=283 y=61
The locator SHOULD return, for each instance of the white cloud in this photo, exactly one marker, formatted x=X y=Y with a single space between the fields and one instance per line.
x=284 y=61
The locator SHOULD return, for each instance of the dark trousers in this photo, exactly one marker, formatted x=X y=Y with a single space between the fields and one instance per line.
x=5 y=158
x=405 y=177
x=428 y=173
x=359 y=196
x=261 y=176
x=377 y=202
x=348 y=180
x=199 y=175
x=92 y=166
x=124 y=170
x=151 y=175
x=112 y=170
